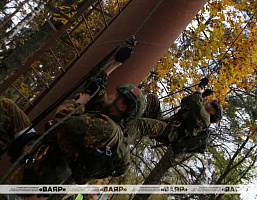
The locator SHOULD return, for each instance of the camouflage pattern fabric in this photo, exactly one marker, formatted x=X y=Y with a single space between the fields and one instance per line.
x=83 y=133
x=153 y=108
x=16 y=176
x=196 y=119
x=151 y=124
x=86 y=131
x=90 y=130
x=12 y=120
x=148 y=125
x=145 y=127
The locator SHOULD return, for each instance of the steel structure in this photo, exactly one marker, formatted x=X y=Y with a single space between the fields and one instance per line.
x=32 y=65
x=154 y=37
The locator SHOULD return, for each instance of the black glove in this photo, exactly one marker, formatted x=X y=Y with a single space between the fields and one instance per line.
x=93 y=85
x=132 y=41
x=123 y=54
x=203 y=82
x=207 y=93
x=15 y=148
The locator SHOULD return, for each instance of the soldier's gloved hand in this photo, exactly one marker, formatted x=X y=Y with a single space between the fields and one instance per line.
x=93 y=85
x=203 y=82
x=207 y=93
x=123 y=54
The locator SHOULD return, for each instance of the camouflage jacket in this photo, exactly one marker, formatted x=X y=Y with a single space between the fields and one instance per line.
x=90 y=130
x=87 y=134
x=195 y=118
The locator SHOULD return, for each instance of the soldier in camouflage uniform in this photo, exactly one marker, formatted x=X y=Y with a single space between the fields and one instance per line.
x=94 y=130
x=195 y=119
x=97 y=128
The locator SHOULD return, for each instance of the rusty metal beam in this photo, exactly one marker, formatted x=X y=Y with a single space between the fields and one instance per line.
x=73 y=45
x=88 y=28
x=87 y=14
x=102 y=11
x=155 y=36
x=58 y=62
x=22 y=95
x=39 y=76
x=70 y=64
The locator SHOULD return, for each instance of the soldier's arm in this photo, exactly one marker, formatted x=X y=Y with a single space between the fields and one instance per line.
x=153 y=107
x=91 y=85
x=200 y=90
x=65 y=108
x=121 y=56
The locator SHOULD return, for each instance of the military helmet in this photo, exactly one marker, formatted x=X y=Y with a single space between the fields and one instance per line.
x=219 y=112
x=135 y=99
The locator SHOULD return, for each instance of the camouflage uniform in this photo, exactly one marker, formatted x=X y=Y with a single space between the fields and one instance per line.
x=91 y=130
x=96 y=104
x=193 y=121
x=88 y=129
x=148 y=125
x=86 y=133
x=196 y=118
x=12 y=120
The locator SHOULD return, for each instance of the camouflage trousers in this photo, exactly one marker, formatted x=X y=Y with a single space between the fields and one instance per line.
x=151 y=123
x=12 y=120
x=151 y=127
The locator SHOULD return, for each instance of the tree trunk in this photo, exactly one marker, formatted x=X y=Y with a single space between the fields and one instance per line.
x=22 y=53
x=14 y=31
x=14 y=13
x=158 y=172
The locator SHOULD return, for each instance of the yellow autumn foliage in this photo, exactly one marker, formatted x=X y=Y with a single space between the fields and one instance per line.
x=213 y=46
